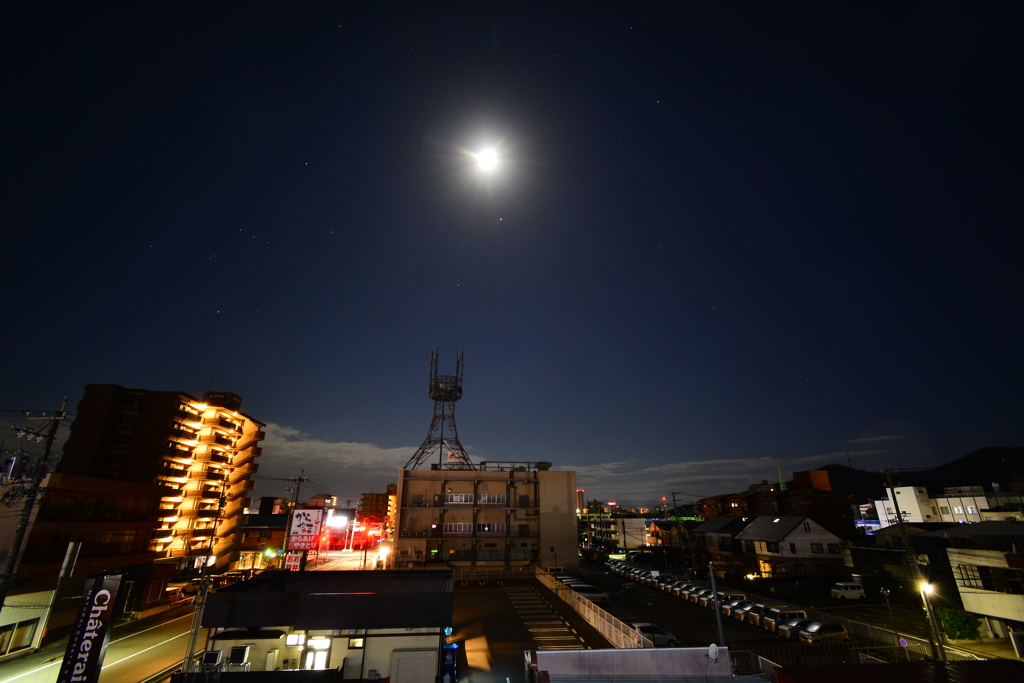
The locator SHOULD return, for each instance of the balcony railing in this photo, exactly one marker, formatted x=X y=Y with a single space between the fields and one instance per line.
x=438 y=533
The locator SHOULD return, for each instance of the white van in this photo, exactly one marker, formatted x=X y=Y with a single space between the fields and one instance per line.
x=848 y=591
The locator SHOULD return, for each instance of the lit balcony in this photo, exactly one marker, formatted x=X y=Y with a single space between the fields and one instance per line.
x=213 y=457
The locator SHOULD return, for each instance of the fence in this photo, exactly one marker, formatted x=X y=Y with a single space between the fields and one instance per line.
x=883 y=639
x=616 y=632
x=747 y=663
x=490 y=573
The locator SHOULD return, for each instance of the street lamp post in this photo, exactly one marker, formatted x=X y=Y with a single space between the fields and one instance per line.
x=926 y=590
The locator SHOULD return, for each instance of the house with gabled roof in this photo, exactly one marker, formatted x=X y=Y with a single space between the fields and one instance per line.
x=716 y=538
x=772 y=546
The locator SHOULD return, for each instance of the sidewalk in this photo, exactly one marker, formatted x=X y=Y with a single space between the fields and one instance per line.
x=992 y=649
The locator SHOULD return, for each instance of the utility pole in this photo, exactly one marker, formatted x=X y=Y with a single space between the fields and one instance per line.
x=718 y=609
x=11 y=565
x=295 y=502
x=934 y=636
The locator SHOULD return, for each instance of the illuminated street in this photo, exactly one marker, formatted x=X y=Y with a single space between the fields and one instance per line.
x=135 y=653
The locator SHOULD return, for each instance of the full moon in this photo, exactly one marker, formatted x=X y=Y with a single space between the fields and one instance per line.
x=487 y=159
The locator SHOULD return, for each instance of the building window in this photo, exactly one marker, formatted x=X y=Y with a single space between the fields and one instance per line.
x=970 y=509
x=457 y=528
x=792 y=548
x=807 y=527
x=817 y=549
x=491 y=498
x=355 y=643
x=772 y=547
x=418 y=498
x=957 y=510
x=462 y=498
x=944 y=509
x=295 y=639
x=14 y=637
x=490 y=528
x=833 y=548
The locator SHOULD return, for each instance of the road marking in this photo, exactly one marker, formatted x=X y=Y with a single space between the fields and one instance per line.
x=543 y=623
x=136 y=654
x=554 y=637
x=549 y=630
x=169 y=621
x=561 y=647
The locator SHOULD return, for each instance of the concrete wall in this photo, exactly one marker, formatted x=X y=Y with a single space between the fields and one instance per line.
x=557 y=495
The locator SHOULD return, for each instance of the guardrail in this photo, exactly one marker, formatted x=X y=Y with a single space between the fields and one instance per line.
x=616 y=632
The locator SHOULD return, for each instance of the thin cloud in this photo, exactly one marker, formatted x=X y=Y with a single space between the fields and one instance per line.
x=342 y=467
x=876 y=439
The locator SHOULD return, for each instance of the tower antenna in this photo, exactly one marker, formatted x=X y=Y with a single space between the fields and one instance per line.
x=782 y=477
x=444 y=391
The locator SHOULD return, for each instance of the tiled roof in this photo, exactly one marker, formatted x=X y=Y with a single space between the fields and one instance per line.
x=335 y=600
x=722 y=525
x=371 y=581
x=770 y=529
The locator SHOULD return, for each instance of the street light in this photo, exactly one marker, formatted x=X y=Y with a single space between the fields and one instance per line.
x=926 y=591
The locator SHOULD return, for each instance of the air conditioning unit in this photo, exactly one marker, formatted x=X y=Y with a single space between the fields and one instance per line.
x=211 y=658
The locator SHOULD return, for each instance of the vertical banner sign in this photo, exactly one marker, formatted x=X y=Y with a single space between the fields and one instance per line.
x=305 y=531
x=84 y=657
x=293 y=561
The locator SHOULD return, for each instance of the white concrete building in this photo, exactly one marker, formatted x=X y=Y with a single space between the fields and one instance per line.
x=961 y=504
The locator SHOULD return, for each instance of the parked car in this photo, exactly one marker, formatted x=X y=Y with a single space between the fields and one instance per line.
x=741 y=612
x=695 y=596
x=657 y=635
x=681 y=590
x=824 y=632
x=756 y=612
x=848 y=591
x=790 y=629
x=592 y=593
x=776 y=615
x=728 y=607
x=689 y=593
x=708 y=599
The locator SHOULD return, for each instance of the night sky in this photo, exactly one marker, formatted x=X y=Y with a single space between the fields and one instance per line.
x=717 y=232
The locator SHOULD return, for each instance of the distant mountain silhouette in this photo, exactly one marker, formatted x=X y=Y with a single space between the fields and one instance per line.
x=1002 y=465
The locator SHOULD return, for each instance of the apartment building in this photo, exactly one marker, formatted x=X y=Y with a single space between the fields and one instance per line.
x=202 y=452
x=958 y=504
x=500 y=514
x=813 y=497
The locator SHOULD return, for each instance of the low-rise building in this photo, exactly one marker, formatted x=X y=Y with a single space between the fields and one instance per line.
x=812 y=498
x=979 y=566
x=369 y=625
x=957 y=504
x=716 y=539
x=774 y=546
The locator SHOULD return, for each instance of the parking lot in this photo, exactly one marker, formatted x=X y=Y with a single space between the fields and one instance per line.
x=693 y=626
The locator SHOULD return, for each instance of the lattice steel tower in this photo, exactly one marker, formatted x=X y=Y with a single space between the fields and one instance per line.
x=444 y=390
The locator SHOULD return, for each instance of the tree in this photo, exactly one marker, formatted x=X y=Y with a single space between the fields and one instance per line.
x=958 y=625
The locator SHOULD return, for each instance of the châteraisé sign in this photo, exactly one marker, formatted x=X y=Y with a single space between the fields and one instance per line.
x=84 y=657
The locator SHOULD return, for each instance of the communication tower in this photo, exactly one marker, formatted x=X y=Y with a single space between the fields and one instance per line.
x=444 y=390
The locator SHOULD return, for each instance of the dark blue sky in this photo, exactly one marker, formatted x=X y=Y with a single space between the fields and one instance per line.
x=718 y=232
